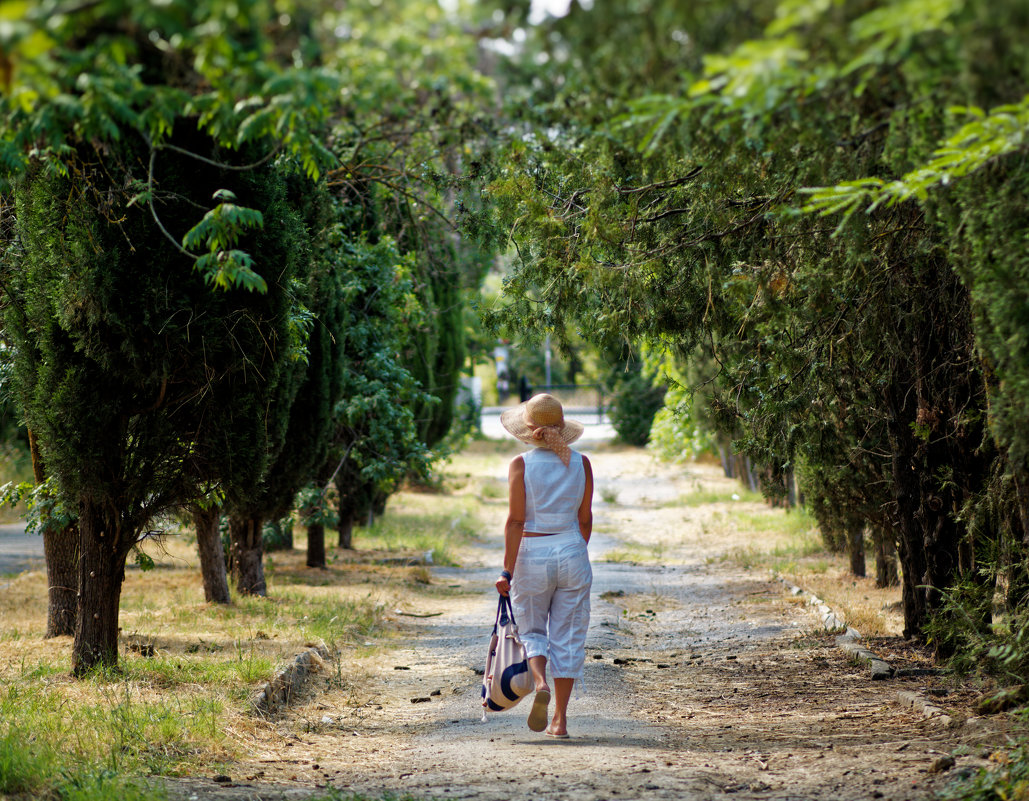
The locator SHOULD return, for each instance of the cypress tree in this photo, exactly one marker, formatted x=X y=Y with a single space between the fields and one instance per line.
x=300 y=413
x=139 y=381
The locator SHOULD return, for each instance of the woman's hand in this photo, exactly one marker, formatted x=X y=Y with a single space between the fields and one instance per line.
x=504 y=583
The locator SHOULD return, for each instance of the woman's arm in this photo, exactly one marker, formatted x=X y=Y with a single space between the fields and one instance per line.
x=586 y=507
x=515 y=526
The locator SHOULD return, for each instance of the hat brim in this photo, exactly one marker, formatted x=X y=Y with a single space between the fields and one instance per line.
x=513 y=420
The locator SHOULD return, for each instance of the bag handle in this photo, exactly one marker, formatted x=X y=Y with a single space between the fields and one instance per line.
x=504 y=611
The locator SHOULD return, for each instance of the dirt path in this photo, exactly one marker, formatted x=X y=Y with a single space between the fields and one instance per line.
x=702 y=681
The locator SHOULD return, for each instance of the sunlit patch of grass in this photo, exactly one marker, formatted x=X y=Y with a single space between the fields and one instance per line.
x=438 y=532
x=245 y=665
x=334 y=620
x=635 y=553
x=98 y=727
x=793 y=523
x=41 y=670
x=702 y=497
x=494 y=489
x=873 y=611
x=30 y=769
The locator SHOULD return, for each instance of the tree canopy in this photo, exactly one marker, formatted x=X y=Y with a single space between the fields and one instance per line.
x=796 y=201
x=183 y=295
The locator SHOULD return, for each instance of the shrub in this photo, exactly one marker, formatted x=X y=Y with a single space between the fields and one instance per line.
x=635 y=402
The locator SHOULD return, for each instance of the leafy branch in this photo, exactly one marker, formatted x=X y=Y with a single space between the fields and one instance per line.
x=988 y=137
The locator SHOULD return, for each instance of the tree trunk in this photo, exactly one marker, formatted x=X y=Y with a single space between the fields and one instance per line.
x=379 y=501
x=103 y=548
x=726 y=457
x=212 y=555
x=347 y=508
x=885 y=558
x=61 y=549
x=1022 y=495
x=246 y=555
x=752 y=476
x=346 y=530
x=856 y=544
x=911 y=542
x=316 y=545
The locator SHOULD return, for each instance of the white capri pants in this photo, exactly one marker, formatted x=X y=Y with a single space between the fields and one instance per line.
x=550 y=593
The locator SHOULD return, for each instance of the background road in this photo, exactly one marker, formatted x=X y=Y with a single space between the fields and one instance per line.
x=18 y=550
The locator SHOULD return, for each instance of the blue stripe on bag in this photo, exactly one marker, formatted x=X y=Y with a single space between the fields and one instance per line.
x=508 y=676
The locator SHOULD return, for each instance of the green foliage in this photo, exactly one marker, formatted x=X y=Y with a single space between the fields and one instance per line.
x=77 y=77
x=97 y=297
x=662 y=208
x=634 y=402
x=316 y=505
x=679 y=431
x=45 y=511
x=277 y=534
x=975 y=145
x=115 y=75
x=1006 y=778
x=93 y=752
x=377 y=438
x=219 y=231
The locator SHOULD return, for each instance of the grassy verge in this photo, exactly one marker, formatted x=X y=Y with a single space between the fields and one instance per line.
x=437 y=535
x=699 y=514
x=788 y=544
x=178 y=704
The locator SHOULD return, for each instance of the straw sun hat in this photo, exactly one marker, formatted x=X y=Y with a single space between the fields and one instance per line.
x=541 y=421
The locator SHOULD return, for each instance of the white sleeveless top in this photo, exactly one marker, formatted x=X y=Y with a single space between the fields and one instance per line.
x=553 y=492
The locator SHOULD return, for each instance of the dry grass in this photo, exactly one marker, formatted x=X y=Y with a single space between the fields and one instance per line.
x=695 y=512
x=184 y=707
x=873 y=611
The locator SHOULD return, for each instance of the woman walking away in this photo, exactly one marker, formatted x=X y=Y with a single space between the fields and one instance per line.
x=546 y=568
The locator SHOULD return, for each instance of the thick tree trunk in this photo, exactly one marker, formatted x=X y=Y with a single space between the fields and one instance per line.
x=856 y=547
x=316 y=545
x=61 y=549
x=212 y=555
x=103 y=548
x=885 y=558
x=246 y=555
